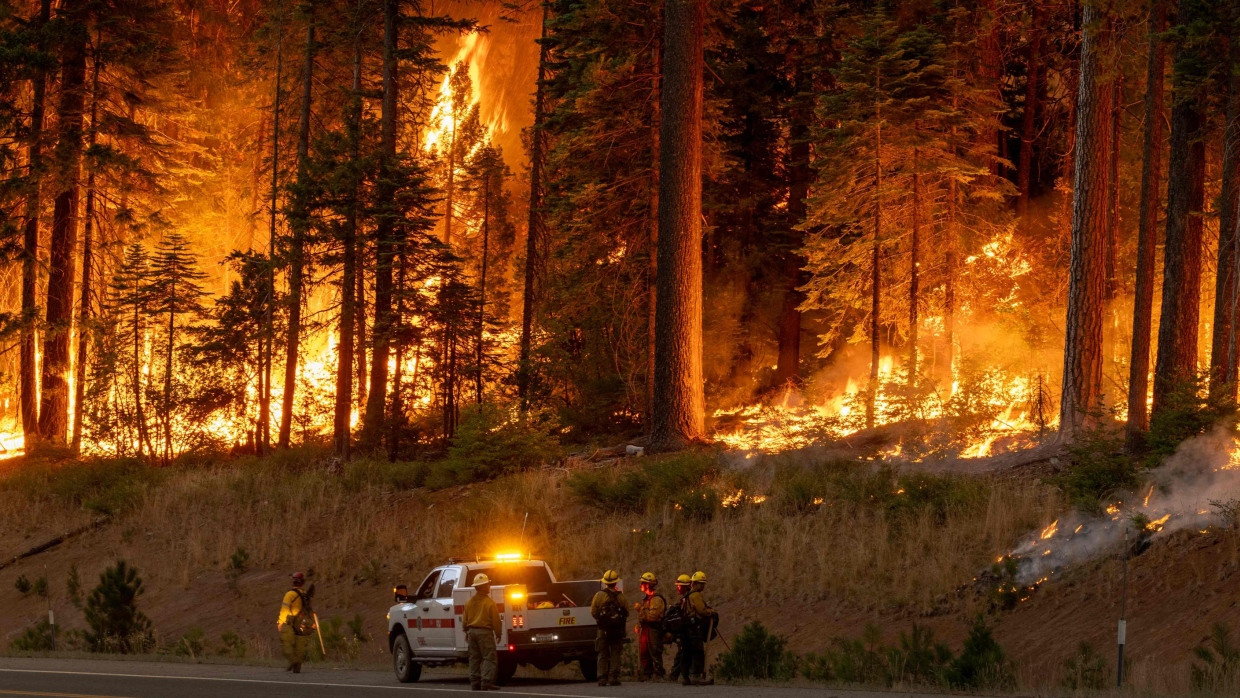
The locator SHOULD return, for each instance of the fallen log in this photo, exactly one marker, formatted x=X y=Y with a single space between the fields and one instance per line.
x=48 y=545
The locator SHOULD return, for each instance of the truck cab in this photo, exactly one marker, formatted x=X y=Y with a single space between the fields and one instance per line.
x=546 y=622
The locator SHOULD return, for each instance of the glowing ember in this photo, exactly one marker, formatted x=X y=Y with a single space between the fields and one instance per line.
x=1049 y=531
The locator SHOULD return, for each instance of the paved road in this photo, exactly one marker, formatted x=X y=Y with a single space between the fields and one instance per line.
x=86 y=678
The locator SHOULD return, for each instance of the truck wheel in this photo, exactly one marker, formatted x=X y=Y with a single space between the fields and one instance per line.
x=589 y=668
x=505 y=670
x=407 y=670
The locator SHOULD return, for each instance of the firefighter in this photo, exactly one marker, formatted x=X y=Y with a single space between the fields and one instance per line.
x=295 y=623
x=611 y=612
x=483 y=630
x=650 y=611
x=677 y=629
x=700 y=623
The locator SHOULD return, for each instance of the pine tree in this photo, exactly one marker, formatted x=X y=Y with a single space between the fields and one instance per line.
x=131 y=303
x=116 y=624
x=173 y=287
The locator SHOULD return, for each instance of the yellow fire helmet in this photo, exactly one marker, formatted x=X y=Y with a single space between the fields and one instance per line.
x=611 y=577
x=699 y=576
x=683 y=579
x=480 y=579
x=649 y=578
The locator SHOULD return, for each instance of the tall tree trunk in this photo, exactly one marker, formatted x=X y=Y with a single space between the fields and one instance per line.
x=1082 y=374
x=991 y=66
x=679 y=402
x=533 y=235
x=343 y=408
x=482 y=281
x=1222 y=356
x=1113 y=212
x=360 y=343
x=267 y=343
x=1147 y=234
x=29 y=362
x=88 y=229
x=449 y=190
x=299 y=223
x=914 y=271
x=1028 y=122
x=1176 y=363
x=385 y=243
x=871 y=393
x=172 y=329
x=788 y=361
x=54 y=398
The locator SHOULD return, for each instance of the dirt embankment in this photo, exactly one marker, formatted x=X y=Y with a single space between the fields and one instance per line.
x=811 y=576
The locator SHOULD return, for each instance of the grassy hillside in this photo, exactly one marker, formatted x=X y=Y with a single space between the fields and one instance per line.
x=814 y=549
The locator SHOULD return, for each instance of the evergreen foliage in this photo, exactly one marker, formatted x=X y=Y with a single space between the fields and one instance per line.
x=116 y=624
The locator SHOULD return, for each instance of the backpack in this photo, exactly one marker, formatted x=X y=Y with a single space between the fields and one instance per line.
x=302 y=622
x=611 y=615
x=674 y=618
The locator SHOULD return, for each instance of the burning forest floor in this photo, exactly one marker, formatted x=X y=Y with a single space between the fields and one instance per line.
x=816 y=543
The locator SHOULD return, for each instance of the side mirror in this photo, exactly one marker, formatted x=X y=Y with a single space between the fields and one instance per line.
x=401 y=593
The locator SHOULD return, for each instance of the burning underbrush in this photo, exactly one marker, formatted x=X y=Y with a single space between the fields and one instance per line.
x=1197 y=487
x=982 y=413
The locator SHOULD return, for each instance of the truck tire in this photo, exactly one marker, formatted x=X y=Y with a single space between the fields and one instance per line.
x=407 y=670
x=589 y=668
x=506 y=669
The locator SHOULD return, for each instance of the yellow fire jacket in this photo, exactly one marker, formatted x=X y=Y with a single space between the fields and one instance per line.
x=290 y=606
x=480 y=612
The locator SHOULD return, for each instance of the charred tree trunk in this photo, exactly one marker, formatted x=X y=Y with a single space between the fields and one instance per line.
x=914 y=271
x=1082 y=374
x=1028 y=122
x=1222 y=354
x=54 y=398
x=533 y=234
x=1113 y=212
x=343 y=408
x=480 y=355
x=267 y=343
x=385 y=243
x=871 y=393
x=1147 y=234
x=299 y=223
x=679 y=403
x=88 y=230
x=29 y=363
x=1176 y=363
x=788 y=363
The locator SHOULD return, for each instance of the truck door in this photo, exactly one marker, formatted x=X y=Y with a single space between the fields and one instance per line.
x=439 y=621
x=419 y=627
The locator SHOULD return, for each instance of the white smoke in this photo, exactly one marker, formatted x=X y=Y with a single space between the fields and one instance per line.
x=1177 y=496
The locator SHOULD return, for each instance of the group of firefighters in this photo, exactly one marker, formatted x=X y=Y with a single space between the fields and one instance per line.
x=690 y=624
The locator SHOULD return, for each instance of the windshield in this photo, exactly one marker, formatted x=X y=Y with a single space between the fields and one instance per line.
x=536 y=578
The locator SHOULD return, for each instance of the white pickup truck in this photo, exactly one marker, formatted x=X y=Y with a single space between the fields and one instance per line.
x=546 y=622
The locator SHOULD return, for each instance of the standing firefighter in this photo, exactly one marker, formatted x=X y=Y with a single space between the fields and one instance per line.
x=483 y=630
x=700 y=624
x=295 y=623
x=677 y=627
x=611 y=612
x=650 y=612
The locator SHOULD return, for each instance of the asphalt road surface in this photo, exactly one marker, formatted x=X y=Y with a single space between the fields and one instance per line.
x=86 y=678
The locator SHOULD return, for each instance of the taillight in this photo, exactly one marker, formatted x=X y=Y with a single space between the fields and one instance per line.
x=518 y=621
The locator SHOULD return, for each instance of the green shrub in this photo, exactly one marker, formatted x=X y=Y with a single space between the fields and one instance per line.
x=232 y=645
x=1219 y=667
x=105 y=486
x=675 y=480
x=40 y=587
x=237 y=564
x=981 y=663
x=1188 y=411
x=360 y=473
x=342 y=640
x=860 y=660
x=22 y=585
x=1085 y=670
x=493 y=440
x=193 y=644
x=37 y=638
x=74 y=586
x=756 y=654
x=370 y=573
x=1007 y=591
x=800 y=489
x=1099 y=470
x=116 y=624
x=919 y=659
